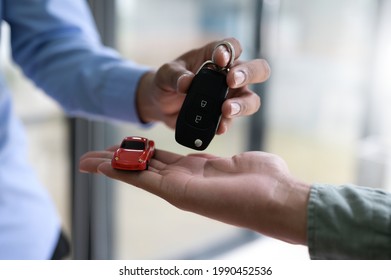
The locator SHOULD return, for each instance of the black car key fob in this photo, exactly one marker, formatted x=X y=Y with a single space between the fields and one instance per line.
x=200 y=114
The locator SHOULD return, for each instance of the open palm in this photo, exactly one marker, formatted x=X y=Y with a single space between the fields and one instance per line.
x=244 y=190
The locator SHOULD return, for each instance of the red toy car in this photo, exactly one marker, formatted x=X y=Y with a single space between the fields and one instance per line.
x=135 y=153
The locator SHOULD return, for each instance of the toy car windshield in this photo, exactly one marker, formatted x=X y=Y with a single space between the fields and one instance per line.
x=133 y=145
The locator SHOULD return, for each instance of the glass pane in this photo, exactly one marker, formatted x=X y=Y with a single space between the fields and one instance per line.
x=320 y=54
x=154 y=32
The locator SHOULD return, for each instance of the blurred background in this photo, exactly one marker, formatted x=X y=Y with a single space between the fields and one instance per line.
x=324 y=110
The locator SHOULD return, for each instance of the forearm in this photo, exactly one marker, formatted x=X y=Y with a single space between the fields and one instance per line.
x=56 y=44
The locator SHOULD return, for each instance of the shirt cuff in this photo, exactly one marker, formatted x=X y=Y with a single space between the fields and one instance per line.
x=119 y=92
x=349 y=222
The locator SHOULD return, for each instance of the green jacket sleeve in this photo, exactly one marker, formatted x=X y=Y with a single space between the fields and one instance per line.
x=349 y=222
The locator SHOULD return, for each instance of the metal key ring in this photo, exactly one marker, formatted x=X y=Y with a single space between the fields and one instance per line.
x=231 y=50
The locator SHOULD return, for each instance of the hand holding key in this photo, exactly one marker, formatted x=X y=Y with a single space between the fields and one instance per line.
x=200 y=114
x=160 y=94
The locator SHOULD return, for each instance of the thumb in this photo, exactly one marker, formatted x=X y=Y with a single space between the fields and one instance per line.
x=184 y=82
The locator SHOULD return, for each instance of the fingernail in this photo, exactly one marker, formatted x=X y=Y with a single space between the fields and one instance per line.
x=239 y=78
x=179 y=81
x=235 y=108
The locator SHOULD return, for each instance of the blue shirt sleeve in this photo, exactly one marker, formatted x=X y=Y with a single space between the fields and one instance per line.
x=349 y=222
x=56 y=45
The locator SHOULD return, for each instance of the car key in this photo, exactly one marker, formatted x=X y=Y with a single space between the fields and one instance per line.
x=200 y=114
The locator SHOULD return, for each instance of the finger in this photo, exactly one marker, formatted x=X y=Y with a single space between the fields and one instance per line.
x=112 y=148
x=167 y=157
x=156 y=165
x=224 y=125
x=90 y=165
x=203 y=155
x=97 y=154
x=247 y=103
x=169 y=76
x=183 y=82
x=220 y=54
x=170 y=121
x=251 y=72
x=147 y=180
x=177 y=75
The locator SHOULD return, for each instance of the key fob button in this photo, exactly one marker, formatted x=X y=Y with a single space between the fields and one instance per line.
x=205 y=103
x=198 y=119
x=198 y=143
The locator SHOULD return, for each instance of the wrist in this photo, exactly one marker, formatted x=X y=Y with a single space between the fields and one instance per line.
x=146 y=106
x=295 y=212
x=290 y=211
